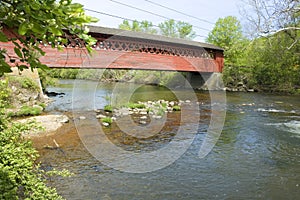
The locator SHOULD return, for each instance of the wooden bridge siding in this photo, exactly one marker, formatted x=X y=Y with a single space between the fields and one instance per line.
x=78 y=58
x=72 y=57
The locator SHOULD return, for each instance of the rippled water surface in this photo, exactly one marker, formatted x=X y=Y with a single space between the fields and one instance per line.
x=256 y=157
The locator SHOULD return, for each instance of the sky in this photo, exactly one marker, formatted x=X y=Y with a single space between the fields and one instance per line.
x=202 y=13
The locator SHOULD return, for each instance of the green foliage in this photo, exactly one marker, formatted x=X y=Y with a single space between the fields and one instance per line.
x=20 y=177
x=5 y=94
x=46 y=79
x=172 y=28
x=275 y=68
x=227 y=34
x=144 y=26
x=136 y=105
x=27 y=111
x=176 y=108
x=108 y=108
x=49 y=76
x=164 y=104
x=161 y=78
x=34 y=22
x=23 y=82
x=107 y=120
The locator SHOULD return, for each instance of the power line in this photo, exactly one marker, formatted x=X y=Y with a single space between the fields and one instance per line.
x=158 y=15
x=202 y=20
x=152 y=13
x=124 y=18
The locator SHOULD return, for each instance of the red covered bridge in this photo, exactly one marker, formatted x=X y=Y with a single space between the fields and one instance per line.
x=119 y=49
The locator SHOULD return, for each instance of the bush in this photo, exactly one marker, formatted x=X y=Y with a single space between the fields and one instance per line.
x=20 y=176
x=5 y=94
x=23 y=82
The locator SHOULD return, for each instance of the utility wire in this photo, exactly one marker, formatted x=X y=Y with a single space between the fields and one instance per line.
x=124 y=18
x=158 y=15
x=157 y=4
x=155 y=14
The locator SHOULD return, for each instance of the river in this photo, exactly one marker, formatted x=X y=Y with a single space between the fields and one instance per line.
x=256 y=157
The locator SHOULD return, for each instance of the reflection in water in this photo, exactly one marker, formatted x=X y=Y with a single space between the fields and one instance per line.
x=256 y=157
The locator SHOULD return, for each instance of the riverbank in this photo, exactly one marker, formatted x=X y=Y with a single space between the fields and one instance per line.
x=45 y=124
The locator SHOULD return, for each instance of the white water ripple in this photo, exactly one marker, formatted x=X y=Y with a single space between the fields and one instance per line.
x=291 y=126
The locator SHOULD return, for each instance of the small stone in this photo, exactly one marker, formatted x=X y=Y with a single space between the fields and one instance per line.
x=157 y=116
x=63 y=119
x=38 y=107
x=113 y=118
x=172 y=103
x=82 y=117
x=98 y=111
x=143 y=117
x=105 y=124
x=100 y=116
x=143 y=122
x=14 y=89
x=187 y=101
x=143 y=113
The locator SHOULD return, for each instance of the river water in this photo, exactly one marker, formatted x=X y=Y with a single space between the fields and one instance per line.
x=256 y=157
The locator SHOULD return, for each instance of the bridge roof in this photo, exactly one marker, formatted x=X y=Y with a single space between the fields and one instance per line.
x=152 y=37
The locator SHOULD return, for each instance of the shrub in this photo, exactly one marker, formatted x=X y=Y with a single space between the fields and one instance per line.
x=20 y=175
x=5 y=94
x=24 y=82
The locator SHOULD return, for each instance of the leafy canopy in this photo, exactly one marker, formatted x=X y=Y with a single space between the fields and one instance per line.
x=144 y=26
x=177 y=29
x=169 y=28
x=30 y=23
x=227 y=34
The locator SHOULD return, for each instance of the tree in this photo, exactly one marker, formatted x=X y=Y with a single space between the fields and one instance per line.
x=268 y=17
x=275 y=68
x=168 y=28
x=177 y=29
x=33 y=22
x=227 y=34
x=144 y=26
x=147 y=27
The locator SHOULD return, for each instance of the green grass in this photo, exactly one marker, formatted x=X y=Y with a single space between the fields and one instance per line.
x=26 y=111
x=176 y=108
x=164 y=104
x=106 y=120
x=136 y=105
x=108 y=108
